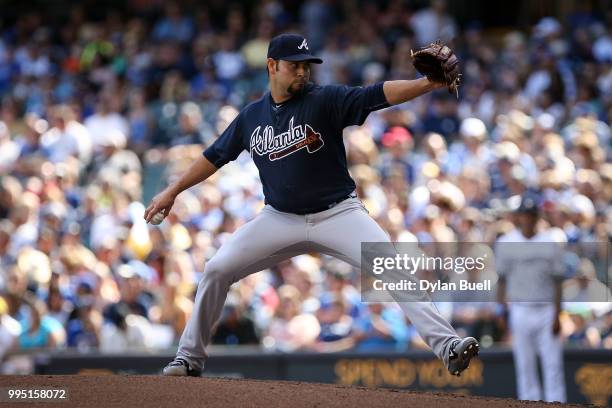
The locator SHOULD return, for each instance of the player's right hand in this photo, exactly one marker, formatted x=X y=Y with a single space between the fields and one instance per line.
x=162 y=202
x=556 y=327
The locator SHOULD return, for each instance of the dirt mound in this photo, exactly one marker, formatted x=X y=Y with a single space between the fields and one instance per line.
x=155 y=391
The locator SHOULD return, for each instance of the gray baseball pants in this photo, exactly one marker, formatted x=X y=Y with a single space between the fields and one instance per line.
x=273 y=236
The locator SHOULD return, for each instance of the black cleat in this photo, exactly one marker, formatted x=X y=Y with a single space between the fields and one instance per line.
x=461 y=352
x=180 y=368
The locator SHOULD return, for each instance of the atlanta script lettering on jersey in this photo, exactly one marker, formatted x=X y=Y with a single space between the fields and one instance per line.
x=281 y=145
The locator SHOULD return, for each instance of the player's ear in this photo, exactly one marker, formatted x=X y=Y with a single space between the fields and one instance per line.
x=272 y=65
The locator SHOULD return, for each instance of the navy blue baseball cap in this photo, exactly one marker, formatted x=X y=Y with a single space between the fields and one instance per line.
x=291 y=47
x=530 y=204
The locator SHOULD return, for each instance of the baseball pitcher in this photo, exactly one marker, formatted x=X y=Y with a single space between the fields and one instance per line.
x=294 y=135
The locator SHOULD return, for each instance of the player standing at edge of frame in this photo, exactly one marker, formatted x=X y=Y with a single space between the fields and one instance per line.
x=294 y=136
x=529 y=261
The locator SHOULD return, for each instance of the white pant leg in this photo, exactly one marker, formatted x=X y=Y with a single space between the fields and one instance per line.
x=266 y=240
x=551 y=356
x=524 y=329
x=341 y=230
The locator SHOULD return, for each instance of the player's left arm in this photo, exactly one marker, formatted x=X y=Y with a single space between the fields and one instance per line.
x=351 y=105
x=558 y=277
x=401 y=91
x=556 y=328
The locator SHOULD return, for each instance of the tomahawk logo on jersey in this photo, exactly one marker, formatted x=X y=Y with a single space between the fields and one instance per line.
x=282 y=145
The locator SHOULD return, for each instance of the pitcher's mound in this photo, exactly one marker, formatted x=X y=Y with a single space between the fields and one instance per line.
x=155 y=391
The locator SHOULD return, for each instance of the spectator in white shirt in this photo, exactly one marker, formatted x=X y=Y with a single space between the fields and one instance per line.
x=67 y=137
x=105 y=121
x=9 y=150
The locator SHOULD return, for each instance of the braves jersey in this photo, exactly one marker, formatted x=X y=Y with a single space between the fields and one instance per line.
x=297 y=146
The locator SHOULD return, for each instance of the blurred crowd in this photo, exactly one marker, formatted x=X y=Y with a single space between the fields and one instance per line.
x=98 y=114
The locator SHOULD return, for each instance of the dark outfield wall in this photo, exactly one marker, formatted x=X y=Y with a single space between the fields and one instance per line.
x=588 y=373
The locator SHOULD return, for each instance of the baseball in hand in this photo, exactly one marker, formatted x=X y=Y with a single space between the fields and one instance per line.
x=157 y=218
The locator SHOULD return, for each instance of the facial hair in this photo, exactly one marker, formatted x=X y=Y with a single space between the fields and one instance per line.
x=294 y=91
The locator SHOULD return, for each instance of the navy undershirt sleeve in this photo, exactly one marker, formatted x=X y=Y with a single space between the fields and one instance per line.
x=352 y=105
x=228 y=146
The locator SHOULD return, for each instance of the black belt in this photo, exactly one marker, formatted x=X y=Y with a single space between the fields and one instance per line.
x=332 y=205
